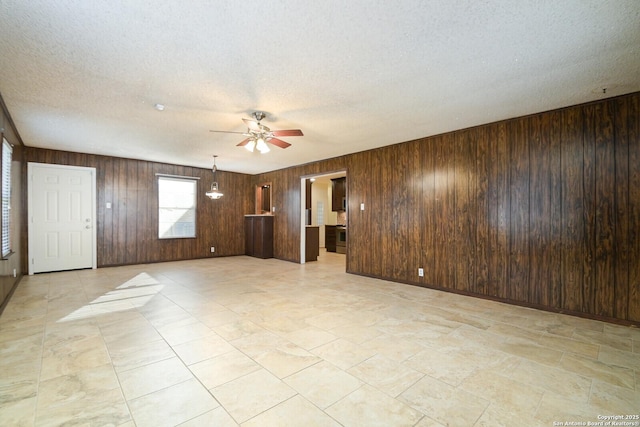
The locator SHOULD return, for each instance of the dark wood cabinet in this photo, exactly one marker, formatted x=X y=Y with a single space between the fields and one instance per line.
x=338 y=194
x=312 y=243
x=330 y=238
x=258 y=235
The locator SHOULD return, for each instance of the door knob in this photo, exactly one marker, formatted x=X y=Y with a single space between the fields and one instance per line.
x=88 y=227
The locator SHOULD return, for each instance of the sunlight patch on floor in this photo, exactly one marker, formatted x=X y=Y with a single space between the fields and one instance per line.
x=133 y=293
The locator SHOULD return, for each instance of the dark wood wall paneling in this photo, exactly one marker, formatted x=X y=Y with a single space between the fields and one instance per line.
x=542 y=210
x=128 y=231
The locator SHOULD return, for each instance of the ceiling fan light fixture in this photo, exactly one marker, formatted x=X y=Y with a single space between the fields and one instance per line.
x=250 y=145
x=262 y=146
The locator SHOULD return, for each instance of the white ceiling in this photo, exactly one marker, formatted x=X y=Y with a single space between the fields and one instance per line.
x=84 y=76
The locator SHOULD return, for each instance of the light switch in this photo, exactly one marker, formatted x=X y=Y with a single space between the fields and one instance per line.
x=361 y=206
x=108 y=205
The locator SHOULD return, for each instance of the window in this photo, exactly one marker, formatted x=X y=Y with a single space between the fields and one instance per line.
x=176 y=207
x=7 y=152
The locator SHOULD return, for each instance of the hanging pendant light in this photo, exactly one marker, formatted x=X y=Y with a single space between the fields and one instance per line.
x=214 y=193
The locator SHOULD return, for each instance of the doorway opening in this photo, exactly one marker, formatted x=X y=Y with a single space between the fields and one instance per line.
x=324 y=206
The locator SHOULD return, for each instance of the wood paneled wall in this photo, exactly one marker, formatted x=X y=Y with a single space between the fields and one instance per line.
x=128 y=232
x=542 y=210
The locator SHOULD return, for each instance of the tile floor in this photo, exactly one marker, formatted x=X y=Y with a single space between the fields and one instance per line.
x=243 y=341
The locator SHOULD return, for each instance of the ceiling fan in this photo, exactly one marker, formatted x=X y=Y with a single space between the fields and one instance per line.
x=259 y=135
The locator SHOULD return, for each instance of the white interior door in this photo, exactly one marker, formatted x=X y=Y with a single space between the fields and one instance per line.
x=61 y=204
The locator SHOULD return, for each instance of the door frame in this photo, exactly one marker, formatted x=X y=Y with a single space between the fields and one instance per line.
x=30 y=231
x=303 y=193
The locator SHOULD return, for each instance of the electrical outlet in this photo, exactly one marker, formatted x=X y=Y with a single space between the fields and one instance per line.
x=213 y=249
x=421 y=272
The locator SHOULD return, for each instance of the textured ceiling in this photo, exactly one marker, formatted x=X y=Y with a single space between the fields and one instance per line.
x=84 y=75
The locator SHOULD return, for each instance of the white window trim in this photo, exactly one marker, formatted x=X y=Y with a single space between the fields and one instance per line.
x=173 y=231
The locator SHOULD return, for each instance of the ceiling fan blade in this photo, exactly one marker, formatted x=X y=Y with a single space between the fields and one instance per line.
x=278 y=142
x=243 y=143
x=253 y=125
x=226 y=131
x=289 y=132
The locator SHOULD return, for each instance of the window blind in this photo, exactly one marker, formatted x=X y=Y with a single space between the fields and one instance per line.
x=7 y=152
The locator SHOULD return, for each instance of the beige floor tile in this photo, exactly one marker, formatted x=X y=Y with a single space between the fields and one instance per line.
x=293 y=412
x=19 y=413
x=507 y=396
x=587 y=367
x=217 y=417
x=11 y=393
x=106 y=408
x=69 y=357
x=562 y=409
x=88 y=396
x=571 y=345
x=386 y=375
x=449 y=368
x=323 y=384
x=21 y=350
x=511 y=331
x=598 y=337
x=286 y=359
x=153 y=377
x=172 y=406
x=258 y=342
x=357 y=334
x=309 y=337
x=369 y=407
x=533 y=351
x=394 y=348
x=612 y=356
x=126 y=355
x=252 y=394
x=419 y=331
x=277 y=322
x=20 y=321
x=330 y=320
x=169 y=313
x=342 y=353
x=223 y=368
x=621 y=331
x=239 y=329
x=20 y=372
x=553 y=380
x=498 y=415
x=428 y=422
x=219 y=318
x=444 y=403
x=74 y=344
x=203 y=348
x=616 y=400
x=184 y=331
